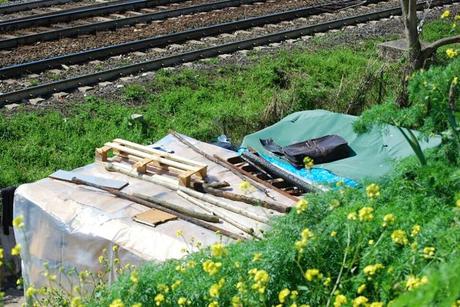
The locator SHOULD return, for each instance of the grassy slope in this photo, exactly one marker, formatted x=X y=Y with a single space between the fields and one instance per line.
x=415 y=196
x=202 y=104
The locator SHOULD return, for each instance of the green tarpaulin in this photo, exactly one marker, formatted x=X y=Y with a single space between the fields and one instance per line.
x=376 y=151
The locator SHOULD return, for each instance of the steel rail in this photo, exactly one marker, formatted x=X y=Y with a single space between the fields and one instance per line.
x=112 y=74
x=114 y=24
x=13 y=8
x=156 y=42
x=82 y=12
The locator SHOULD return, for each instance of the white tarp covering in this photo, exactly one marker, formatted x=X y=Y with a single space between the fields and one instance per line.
x=68 y=226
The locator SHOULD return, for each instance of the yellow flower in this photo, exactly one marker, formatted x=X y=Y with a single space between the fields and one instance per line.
x=451 y=53
x=115 y=248
x=388 y=219
x=340 y=300
x=428 y=252
x=414 y=246
x=283 y=294
x=1 y=253
x=159 y=299
x=301 y=206
x=236 y=301
x=457 y=17
x=214 y=304
x=360 y=301
x=352 y=216
x=260 y=278
x=365 y=214
x=311 y=274
x=335 y=203
x=163 y=288
x=376 y=304
x=308 y=162
x=361 y=288
x=415 y=282
x=372 y=269
x=16 y=251
x=333 y=233
x=182 y=301
x=457 y=203
x=211 y=267
x=415 y=230
x=399 y=237
x=445 y=14
x=117 y=303
x=137 y=305
x=327 y=282
x=305 y=236
x=455 y=304
x=373 y=190
x=371 y=242
x=240 y=286
x=31 y=291
x=100 y=259
x=176 y=284
x=218 y=250
x=18 y=222
x=76 y=302
x=134 y=277
x=294 y=295
x=257 y=257
x=179 y=233
x=245 y=186
x=214 y=290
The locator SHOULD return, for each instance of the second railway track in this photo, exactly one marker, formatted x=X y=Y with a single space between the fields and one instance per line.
x=112 y=73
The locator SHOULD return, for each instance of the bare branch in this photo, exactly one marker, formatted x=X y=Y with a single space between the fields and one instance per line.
x=431 y=48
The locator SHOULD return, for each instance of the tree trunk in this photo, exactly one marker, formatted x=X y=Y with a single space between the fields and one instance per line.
x=409 y=10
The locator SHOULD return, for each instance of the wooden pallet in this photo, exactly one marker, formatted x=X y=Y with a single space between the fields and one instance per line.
x=276 y=183
x=144 y=157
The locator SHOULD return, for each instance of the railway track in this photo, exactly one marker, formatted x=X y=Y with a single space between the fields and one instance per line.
x=81 y=12
x=143 y=17
x=165 y=61
x=19 y=7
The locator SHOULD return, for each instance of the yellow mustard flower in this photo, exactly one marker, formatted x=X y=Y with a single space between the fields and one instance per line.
x=457 y=203
x=176 y=284
x=311 y=274
x=445 y=14
x=134 y=277
x=334 y=233
x=245 y=186
x=415 y=282
x=218 y=250
x=373 y=190
x=236 y=301
x=455 y=304
x=388 y=219
x=257 y=257
x=371 y=242
x=31 y=291
x=308 y=162
x=294 y=295
x=159 y=299
x=360 y=301
x=117 y=303
x=372 y=269
x=376 y=304
x=260 y=278
x=352 y=216
x=428 y=252
x=283 y=295
x=179 y=233
x=18 y=222
x=399 y=237
x=213 y=304
x=361 y=288
x=163 y=288
x=76 y=302
x=327 y=282
x=301 y=206
x=16 y=251
x=340 y=300
x=415 y=230
x=365 y=214
x=305 y=236
x=451 y=53
x=211 y=267
x=182 y=301
x=115 y=248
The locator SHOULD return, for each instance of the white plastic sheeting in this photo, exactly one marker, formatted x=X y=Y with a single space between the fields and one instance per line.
x=68 y=226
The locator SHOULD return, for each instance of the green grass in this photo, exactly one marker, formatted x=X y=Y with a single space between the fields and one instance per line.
x=202 y=104
x=414 y=195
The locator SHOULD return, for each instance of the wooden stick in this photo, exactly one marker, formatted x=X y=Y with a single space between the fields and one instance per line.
x=174 y=185
x=196 y=202
x=249 y=200
x=256 y=179
x=218 y=161
x=192 y=213
x=296 y=181
x=164 y=154
x=155 y=206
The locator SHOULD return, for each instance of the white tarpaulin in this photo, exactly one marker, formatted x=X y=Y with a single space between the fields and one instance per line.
x=68 y=225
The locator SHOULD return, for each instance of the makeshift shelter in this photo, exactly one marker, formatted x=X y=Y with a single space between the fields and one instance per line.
x=68 y=225
x=376 y=151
